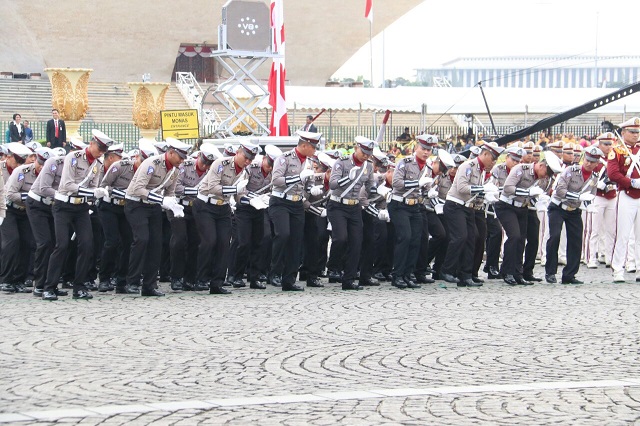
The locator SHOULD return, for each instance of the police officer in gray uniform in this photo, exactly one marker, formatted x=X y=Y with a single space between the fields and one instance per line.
x=410 y=179
x=114 y=261
x=152 y=188
x=348 y=175
x=17 y=237
x=286 y=208
x=576 y=184
x=249 y=218
x=226 y=177
x=460 y=217
x=512 y=211
x=79 y=181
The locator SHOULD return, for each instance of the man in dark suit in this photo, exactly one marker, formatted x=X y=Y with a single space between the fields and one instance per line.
x=309 y=126
x=56 y=130
x=16 y=130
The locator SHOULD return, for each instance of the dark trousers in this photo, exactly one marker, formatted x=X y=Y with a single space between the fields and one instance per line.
x=385 y=238
x=17 y=240
x=263 y=264
x=288 y=227
x=514 y=222
x=423 y=252
x=531 y=249
x=573 y=223
x=233 y=248
x=461 y=225
x=98 y=243
x=481 y=237
x=439 y=243
x=368 y=249
x=249 y=234
x=310 y=262
x=346 y=238
x=68 y=218
x=214 y=228
x=165 y=262
x=117 y=243
x=146 y=248
x=43 y=230
x=184 y=246
x=494 y=242
x=407 y=223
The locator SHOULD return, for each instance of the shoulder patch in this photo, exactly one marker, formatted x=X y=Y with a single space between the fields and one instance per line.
x=150 y=170
x=21 y=175
x=468 y=171
x=220 y=168
x=74 y=161
x=77 y=154
x=54 y=167
x=519 y=172
x=114 y=169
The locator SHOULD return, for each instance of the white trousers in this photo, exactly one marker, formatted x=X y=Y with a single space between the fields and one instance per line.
x=603 y=230
x=628 y=222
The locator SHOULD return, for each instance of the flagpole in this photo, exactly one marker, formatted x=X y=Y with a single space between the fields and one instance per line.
x=371 y=49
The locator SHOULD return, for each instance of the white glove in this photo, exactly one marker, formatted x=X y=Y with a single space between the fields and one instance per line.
x=316 y=190
x=383 y=215
x=305 y=174
x=490 y=187
x=601 y=185
x=433 y=193
x=587 y=196
x=329 y=228
x=169 y=202
x=265 y=199
x=241 y=185
x=100 y=193
x=635 y=183
x=543 y=198
x=178 y=210
x=324 y=214
x=439 y=208
x=534 y=191
x=424 y=181
x=257 y=203
x=1 y=220
x=491 y=197
x=353 y=172
x=383 y=190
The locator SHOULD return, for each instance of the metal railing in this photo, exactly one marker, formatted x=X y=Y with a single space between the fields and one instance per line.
x=194 y=95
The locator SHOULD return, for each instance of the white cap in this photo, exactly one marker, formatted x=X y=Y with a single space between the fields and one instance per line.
x=117 y=149
x=16 y=148
x=77 y=143
x=427 y=141
x=446 y=158
x=180 y=147
x=516 y=152
x=147 y=148
x=326 y=160
x=366 y=145
x=44 y=153
x=102 y=139
x=161 y=146
x=59 y=151
x=33 y=146
x=311 y=137
x=553 y=162
x=229 y=150
x=493 y=148
x=632 y=124
x=250 y=149
x=272 y=152
x=210 y=151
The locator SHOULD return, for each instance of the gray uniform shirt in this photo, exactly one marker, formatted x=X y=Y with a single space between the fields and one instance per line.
x=151 y=174
x=257 y=179
x=340 y=184
x=48 y=180
x=119 y=175
x=219 y=182
x=468 y=176
x=406 y=177
x=571 y=184
x=4 y=171
x=188 y=179
x=520 y=179
x=286 y=171
x=77 y=170
x=19 y=183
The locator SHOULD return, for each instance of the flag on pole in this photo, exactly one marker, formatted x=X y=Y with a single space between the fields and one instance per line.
x=368 y=10
x=279 y=124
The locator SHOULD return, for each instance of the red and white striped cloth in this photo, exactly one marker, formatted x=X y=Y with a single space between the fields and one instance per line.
x=279 y=124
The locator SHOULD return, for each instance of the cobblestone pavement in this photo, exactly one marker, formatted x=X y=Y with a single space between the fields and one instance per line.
x=496 y=354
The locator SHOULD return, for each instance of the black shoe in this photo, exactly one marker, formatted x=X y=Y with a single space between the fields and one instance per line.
x=49 y=295
x=61 y=292
x=165 y=279
x=428 y=270
x=571 y=281
x=551 y=279
x=91 y=286
x=229 y=281
x=127 y=289
x=522 y=281
x=410 y=283
x=262 y=278
x=350 y=285
x=449 y=278
x=104 y=286
x=334 y=276
x=398 y=282
x=189 y=286
x=532 y=279
x=16 y=288
x=257 y=285
x=471 y=283
x=509 y=279
x=477 y=280
x=82 y=294
x=28 y=283
x=276 y=281
x=151 y=292
x=176 y=284
x=218 y=290
x=379 y=276
x=302 y=276
x=323 y=274
x=462 y=283
x=238 y=283
x=493 y=274
x=368 y=282
x=292 y=287
x=314 y=282
x=37 y=292
x=201 y=286
x=67 y=285
x=423 y=279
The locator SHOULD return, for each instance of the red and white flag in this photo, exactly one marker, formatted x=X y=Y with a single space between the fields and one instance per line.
x=279 y=124
x=368 y=10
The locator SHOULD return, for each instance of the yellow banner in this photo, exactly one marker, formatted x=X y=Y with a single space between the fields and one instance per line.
x=180 y=124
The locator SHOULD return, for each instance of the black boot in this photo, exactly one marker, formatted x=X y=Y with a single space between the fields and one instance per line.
x=176 y=284
x=398 y=282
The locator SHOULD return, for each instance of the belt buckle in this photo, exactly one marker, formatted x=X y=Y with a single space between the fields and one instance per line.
x=411 y=201
x=219 y=202
x=77 y=200
x=420 y=199
x=190 y=204
x=570 y=209
x=295 y=198
x=351 y=202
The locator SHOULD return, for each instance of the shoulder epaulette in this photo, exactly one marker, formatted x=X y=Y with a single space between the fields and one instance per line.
x=59 y=160
x=125 y=162
x=78 y=154
x=189 y=162
x=408 y=159
x=289 y=153
x=575 y=167
x=525 y=167
x=226 y=162
x=345 y=157
x=254 y=165
x=157 y=161
x=619 y=150
x=26 y=170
